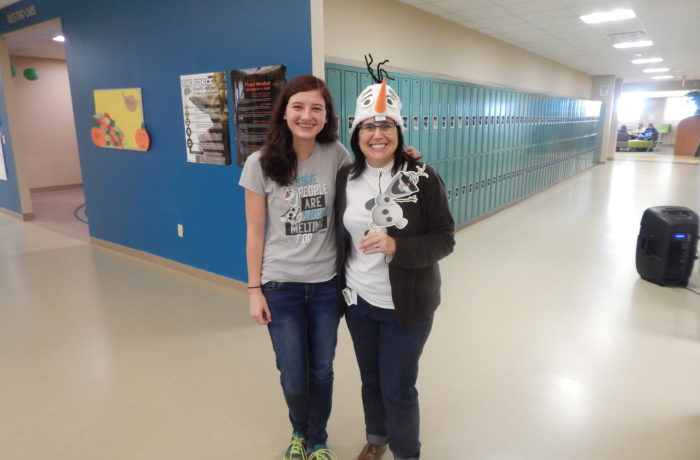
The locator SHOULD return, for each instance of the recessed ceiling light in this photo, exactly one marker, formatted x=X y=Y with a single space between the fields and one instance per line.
x=607 y=16
x=59 y=38
x=637 y=44
x=662 y=77
x=656 y=70
x=646 y=60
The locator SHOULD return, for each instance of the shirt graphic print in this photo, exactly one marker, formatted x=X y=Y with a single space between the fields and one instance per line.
x=308 y=208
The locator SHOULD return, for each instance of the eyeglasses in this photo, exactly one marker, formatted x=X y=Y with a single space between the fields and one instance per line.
x=385 y=127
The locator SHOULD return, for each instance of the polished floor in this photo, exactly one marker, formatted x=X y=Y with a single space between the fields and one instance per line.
x=548 y=345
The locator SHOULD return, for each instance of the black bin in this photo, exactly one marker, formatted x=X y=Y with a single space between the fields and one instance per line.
x=667 y=245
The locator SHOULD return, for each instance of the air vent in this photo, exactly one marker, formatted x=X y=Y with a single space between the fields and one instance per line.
x=627 y=36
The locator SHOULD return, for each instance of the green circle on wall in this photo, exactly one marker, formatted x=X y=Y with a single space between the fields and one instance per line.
x=13 y=70
x=30 y=74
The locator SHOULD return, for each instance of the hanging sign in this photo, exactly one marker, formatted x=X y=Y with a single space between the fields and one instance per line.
x=205 y=111
x=255 y=92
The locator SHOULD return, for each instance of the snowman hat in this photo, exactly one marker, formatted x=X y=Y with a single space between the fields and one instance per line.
x=378 y=101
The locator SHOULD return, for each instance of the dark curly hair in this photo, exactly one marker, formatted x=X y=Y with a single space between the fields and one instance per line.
x=360 y=163
x=277 y=159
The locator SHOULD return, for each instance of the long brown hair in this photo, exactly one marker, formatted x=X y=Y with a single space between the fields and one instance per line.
x=278 y=160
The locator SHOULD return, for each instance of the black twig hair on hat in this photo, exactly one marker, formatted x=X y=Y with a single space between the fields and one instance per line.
x=377 y=78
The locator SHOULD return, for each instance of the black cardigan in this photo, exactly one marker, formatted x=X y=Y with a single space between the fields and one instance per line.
x=429 y=236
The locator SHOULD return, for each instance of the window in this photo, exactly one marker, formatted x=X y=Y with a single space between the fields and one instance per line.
x=678 y=108
x=630 y=107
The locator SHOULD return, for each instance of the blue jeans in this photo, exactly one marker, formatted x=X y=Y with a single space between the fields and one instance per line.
x=304 y=332
x=388 y=360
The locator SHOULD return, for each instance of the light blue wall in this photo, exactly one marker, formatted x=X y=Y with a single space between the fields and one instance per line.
x=9 y=191
x=136 y=199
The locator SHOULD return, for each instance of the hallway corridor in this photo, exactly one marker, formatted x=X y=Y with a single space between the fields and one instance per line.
x=547 y=346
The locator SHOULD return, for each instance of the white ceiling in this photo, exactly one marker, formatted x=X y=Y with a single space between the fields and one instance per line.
x=549 y=28
x=552 y=28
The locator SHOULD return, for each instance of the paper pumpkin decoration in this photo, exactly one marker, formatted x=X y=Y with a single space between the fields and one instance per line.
x=141 y=138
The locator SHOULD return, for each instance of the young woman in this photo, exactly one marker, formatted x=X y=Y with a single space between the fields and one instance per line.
x=394 y=225
x=290 y=188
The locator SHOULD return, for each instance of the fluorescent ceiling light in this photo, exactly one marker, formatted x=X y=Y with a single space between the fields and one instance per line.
x=658 y=69
x=607 y=16
x=662 y=77
x=59 y=38
x=637 y=44
x=646 y=60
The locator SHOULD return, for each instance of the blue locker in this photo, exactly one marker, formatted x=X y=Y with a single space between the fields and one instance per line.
x=451 y=120
x=350 y=92
x=443 y=131
x=464 y=184
x=453 y=171
x=334 y=80
x=404 y=92
x=459 y=122
x=425 y=131
x=435 y=154
x=471 y=202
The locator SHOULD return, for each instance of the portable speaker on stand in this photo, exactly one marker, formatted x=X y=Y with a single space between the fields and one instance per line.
x=667 y=245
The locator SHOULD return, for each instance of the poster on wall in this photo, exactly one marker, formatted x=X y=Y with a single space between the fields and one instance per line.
x=3 y=172
x=255 y=92
x=118 y=120
x=205 y=111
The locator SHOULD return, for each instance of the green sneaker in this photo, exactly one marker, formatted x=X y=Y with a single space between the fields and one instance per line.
x=322 y=452
x=296 y=449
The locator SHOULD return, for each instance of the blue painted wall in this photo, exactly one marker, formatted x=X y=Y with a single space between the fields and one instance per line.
x=9 y=191
x=136 y=199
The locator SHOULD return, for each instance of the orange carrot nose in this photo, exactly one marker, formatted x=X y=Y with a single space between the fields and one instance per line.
x=380 y=105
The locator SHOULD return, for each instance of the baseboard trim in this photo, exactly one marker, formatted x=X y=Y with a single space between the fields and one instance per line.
x=24 y=216
x=55 y=188
x=219 y=280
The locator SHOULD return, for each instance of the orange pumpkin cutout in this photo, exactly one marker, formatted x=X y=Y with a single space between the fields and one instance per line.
x=99 y=137
x=142 y=139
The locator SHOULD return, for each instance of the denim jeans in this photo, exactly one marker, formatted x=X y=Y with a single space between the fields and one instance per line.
x=304 y=333
x=388 y=360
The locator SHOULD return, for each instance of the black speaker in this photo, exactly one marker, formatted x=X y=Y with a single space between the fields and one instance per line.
x=666 y=245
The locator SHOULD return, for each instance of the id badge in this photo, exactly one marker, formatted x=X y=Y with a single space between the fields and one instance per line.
x=350 y=296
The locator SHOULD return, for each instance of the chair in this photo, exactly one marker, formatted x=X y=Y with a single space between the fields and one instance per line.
x=641 y=145
x=664 y=131
x=622 y=140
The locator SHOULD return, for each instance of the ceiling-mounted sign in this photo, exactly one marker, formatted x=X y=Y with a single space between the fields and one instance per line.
x=21 y=14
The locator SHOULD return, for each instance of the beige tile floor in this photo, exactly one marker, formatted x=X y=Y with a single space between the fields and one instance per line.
x=548 y=345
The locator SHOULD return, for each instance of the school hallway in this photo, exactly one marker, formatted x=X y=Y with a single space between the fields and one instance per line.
x=547 y=345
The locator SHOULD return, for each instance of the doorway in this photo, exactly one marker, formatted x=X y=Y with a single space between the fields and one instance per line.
x=44 y=124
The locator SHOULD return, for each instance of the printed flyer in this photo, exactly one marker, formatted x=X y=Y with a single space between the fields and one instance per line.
x=255 y=92
x=205 y=111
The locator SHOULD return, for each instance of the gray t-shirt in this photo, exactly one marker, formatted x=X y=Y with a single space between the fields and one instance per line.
x=300 y=233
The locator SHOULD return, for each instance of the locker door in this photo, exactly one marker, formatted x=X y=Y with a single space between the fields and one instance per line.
x=471 y=112
x=471 y=189
x=351 y=90
x=442 y=169
x=459 y=122
x=414 y=113
x=334 y=80
x=435 y=154
x=451 y=120
x=463 y=184
x=453 y=171
x=443 y=130
x=404 y=92
x=425 y=131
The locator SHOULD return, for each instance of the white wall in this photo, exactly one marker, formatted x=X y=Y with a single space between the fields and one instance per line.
x=45 y=123
x=419 y=43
